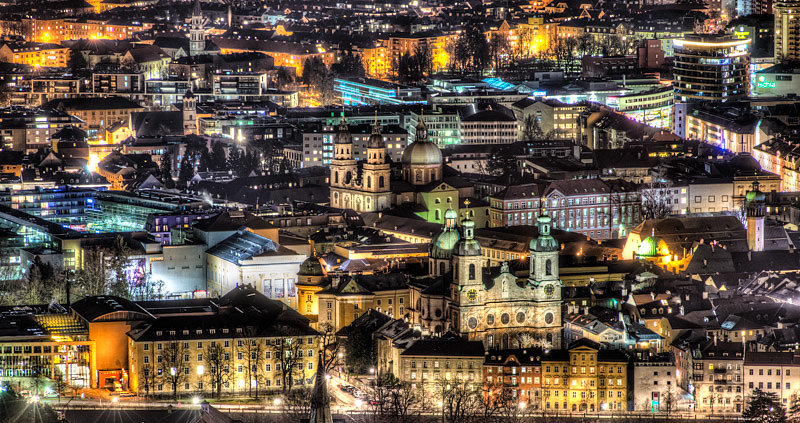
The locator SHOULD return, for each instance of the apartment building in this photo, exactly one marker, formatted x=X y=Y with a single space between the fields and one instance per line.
x=558 y=119
x=584 y=378
x=488 y=127
x=773 y=372
x=718 y=377
x=431 y=363
x=597 y=208
x=515 y=374
x=258 y=342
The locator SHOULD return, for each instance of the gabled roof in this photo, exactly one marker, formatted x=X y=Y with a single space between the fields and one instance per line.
x=445 y=348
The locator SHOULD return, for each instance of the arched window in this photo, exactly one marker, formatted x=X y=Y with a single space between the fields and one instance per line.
x=472 y=271
x=438 y=214
x=369 y=181
x=418 y=177
x=336 y=177
x=548 y=267
x=441 y=268
x=380 y=182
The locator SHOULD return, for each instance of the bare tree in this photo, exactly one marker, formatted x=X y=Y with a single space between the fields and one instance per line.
x=329 y=346
x=461 y=402
x=252 y=352
x=147 y=377
x=218 y=371
x=296 y=405
x=173 y=366
x=287 y=353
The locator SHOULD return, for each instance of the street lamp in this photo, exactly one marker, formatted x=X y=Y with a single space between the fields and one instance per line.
x=115 y=399
x=372 y=370
x=276 y=401
x=172 y=371
x=359 y=403
x=521 y=405
x=196 y=400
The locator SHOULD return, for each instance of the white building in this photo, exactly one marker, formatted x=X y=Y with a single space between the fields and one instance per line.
x=248 y=258
x=775 y=372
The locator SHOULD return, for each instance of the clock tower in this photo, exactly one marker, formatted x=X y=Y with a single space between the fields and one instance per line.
x=466 y=291
x=543 y=280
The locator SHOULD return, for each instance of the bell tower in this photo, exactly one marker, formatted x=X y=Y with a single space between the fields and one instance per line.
x=343 y=168
x=189 y=113
x=467 y=291
x=545 y=284
x=197 y=35
x=755 y=203
x=376 y=173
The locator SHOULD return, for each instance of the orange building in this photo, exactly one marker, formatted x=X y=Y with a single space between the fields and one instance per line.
x=514 y=375
x=58 y=30
x=286 y=54
x=34 y=54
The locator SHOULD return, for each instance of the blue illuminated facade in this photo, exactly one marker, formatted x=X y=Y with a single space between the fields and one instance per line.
x=366 y=91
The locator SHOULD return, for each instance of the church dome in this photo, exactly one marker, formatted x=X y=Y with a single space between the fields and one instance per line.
x=450 y=214
x=652 y=246
x=376 y=140
x=422 y=153
x=312 y=266
x=343 y=135
x=442 y=244
x=467 y=246
x=544 y=241
x=755 y=195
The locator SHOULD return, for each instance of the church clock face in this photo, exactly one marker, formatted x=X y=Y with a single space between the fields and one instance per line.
x=472 y=295
x=549 y=290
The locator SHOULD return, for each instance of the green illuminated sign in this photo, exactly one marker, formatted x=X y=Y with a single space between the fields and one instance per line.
x=765 y=85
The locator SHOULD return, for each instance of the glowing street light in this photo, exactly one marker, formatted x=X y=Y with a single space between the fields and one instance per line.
x=172 y=371
x=115 y=399
x=359 y=403
x=196 y=400
x=276 y=401
x=35 y=398
x=522 y=406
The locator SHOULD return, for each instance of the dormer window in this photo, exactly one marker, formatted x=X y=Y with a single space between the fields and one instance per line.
x=158 y=333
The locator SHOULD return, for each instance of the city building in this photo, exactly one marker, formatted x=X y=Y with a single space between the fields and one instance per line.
x=430 y=363
x=367 y=91
x=711 y=68
x=787 y=30
x=488 y=127
x=601 y=209
x=514 y=374
x=773 y=372
x=584 y=378
x=242 y=335
x=718 y=377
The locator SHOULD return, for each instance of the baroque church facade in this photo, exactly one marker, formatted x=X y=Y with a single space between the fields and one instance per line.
x=499 y=306
x=421 y=179
x=362 y=186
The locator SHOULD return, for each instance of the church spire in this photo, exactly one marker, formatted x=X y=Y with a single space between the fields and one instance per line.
x=320 y=401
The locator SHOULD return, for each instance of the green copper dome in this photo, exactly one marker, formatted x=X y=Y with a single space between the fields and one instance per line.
x=450 y=214
x=468 y=245
x=652 y=246
x=545 y=241
x=442 y=244
x=312 y=266
x=755 y=195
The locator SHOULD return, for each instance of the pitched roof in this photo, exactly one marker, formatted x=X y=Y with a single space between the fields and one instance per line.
x=445 y=348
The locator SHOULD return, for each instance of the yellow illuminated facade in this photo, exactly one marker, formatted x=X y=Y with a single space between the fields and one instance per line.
x=376 y=62
x=36 y=55
x=58 y=30
x=584 y=379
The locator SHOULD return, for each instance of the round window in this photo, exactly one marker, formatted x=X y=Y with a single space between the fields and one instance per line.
x=504 y=319
x=490 y=319
x=472 y=323
x=548 y=318
x=438 y=313
x=520 y=317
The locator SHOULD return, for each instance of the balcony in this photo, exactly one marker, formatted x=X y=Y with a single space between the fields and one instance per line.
x=721 y=371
